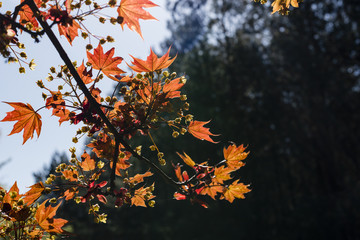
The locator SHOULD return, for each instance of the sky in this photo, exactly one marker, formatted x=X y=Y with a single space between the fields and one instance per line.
x=15 y=87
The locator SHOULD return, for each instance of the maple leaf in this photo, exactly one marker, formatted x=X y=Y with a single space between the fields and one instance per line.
x=7 y=198
x=187 y=159
x=105 y=62
x=138 y=178
x=27 y=16
x=70 y=193
x=71 y=175
x=235 y=190
x=69 y=30
x=171 y=88
x=234 y=156
x=85 y=75
x=279 y=5
x=152 y=62
x=212 y=190
x=139 y=196
x=28 y=120
x=222 y=174
x=45 y=218
x=197 y=129
x=34 y=193
x=132 y=10
x=87 y=164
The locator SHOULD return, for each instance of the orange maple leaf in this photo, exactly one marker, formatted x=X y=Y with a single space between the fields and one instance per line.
x=8 y=199
x=132 y=10
x=139 y=196
x=234 y=156
x=87 y=164
x=71 y=175
x=34 y=193
x=212 y=190
x=138 y=178
x=222 y=174
x=197 y=129
x=45 y=218
x=27 y=119
x=235 y=190
x=27 y=16
x=187 y=159
x=70 y=193
x=152 y=62
x=171 y=88
x=84 y=74
x=105 y=62
x=69 y=30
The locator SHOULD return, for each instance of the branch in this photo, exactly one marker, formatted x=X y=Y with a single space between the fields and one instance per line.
x=93 y=103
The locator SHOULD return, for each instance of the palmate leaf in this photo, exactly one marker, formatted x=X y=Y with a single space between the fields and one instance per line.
x=197 y=129
x=34 y=193
x=105 y=61
x=234 y=156
x=235 y=190
x=132 y=10
x=28 y=120
x=45 y=218
x=152 y=62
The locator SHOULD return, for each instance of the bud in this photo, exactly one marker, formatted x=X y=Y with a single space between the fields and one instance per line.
x=152 y=147
x=75 y=140
x=53 y=200
x=21 y=70
x=166 y=74
x=183 y=97
x=89 y=47
x=100 y=164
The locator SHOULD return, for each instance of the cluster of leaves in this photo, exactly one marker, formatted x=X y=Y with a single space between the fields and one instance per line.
x=148 y=99
x=22 y=219
x=282 y=6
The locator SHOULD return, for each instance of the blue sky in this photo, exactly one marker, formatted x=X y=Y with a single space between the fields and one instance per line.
x=36 y=153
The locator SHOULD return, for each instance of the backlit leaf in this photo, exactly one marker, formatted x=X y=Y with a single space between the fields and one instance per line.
x=133 y=10
x=28 y=120
x=152 y=62
x=234 y=156
x=235 y=190
x=105 y=61
x=45 y=218
x=197 y=129
x=34 y=193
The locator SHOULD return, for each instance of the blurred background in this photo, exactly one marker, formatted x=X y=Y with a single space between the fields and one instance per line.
x=286 y=86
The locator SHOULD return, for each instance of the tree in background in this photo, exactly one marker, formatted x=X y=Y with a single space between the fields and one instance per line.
x=290 y=88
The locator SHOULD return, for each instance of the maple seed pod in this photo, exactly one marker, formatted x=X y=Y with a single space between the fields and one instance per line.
x=183 y=131
x=47 y=190
x=183 y=80
x=162 y=162
x=110 y=39
x=122 y=155
x=166 y=74
x=186 y=106
x=173 y=75
x=21 y=70
x=77 y=200
x=53 y=200
x=183 y=97
x=75 y=140
x=84 y=35
x=112 y=3
x=160 y=155
x=89 y=47
x=40 y=84
x=102 y=20
x=20 y=202
x=119 y=20
x=23 y=55
x=13 y=194
x=175 y=134
x=113 y=20
x=102 y=41
x=152 y=147
x=177 y=120
x=151 y=203
x=100 y=164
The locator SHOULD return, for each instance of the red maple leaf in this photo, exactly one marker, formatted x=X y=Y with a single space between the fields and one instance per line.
x=132 y=10
x=197 y=129
x=105 y=62
x=152 y=62
x=69 y=30
x=28 y=120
